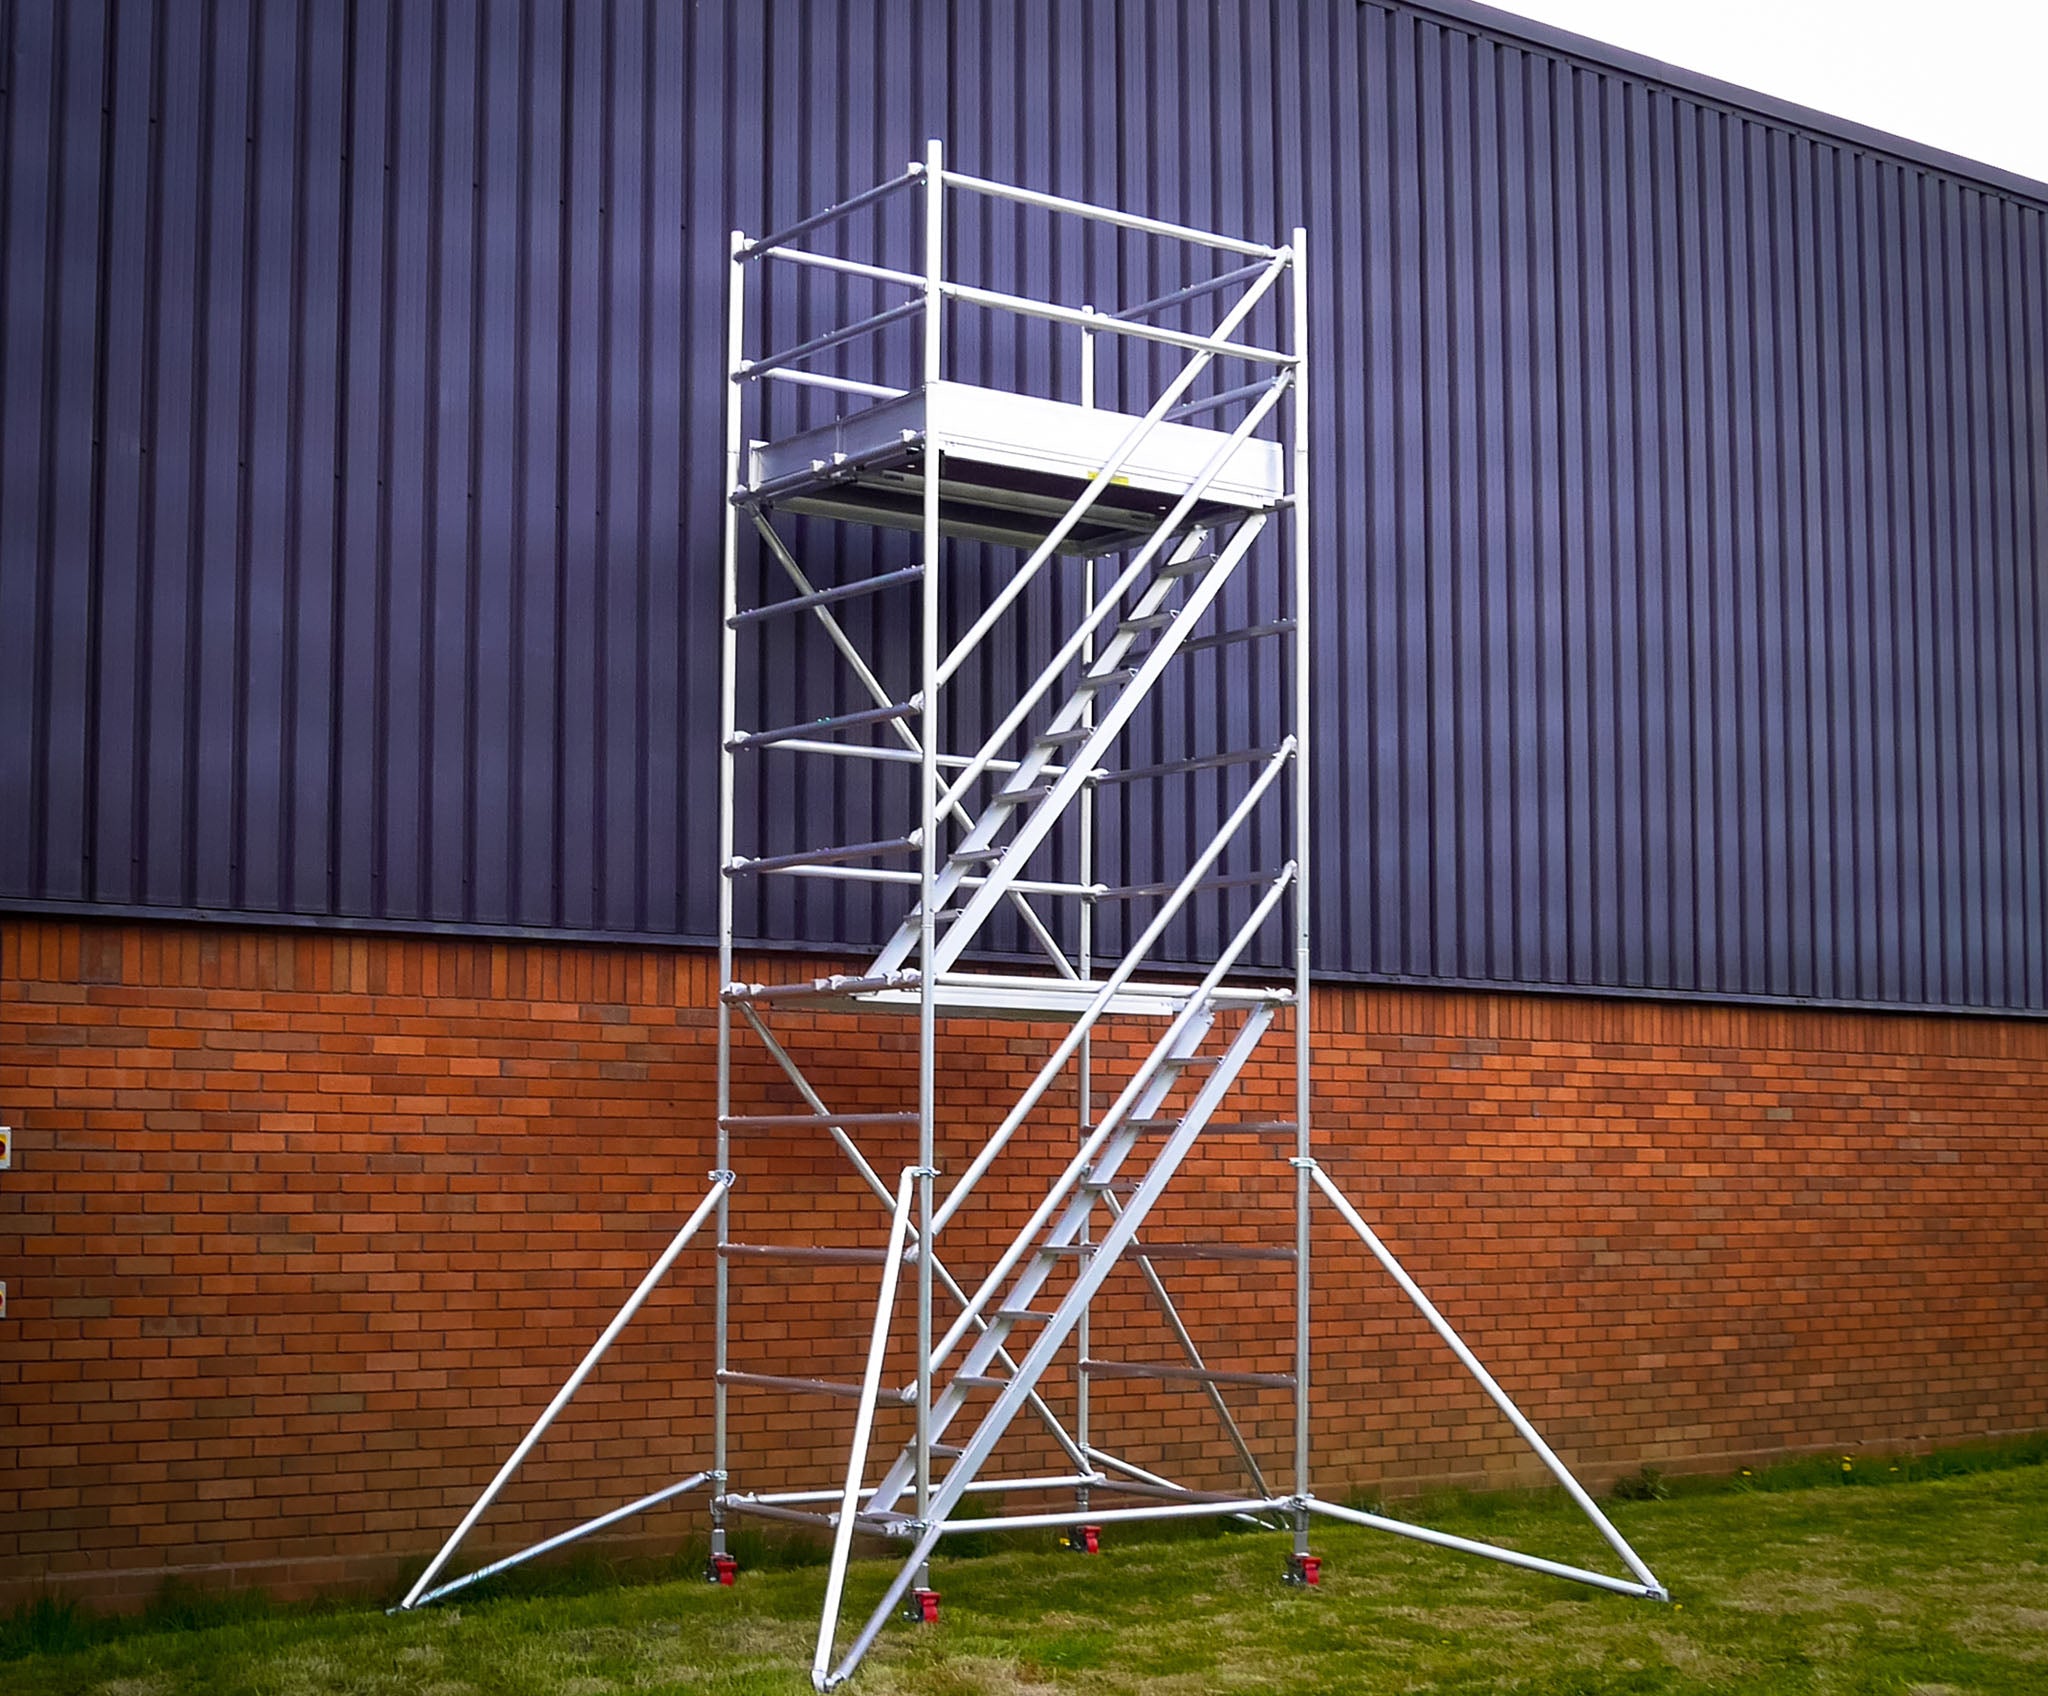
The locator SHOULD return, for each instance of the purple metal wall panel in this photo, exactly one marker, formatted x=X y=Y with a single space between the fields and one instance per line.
x=1683 y=478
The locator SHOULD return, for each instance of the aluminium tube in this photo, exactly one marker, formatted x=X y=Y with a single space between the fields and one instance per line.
x=1133 y=957
x=864 y=1422
x=930 y=728
x=1304 y=821
x=872 y=1179
x=867 y=196
x=1054 y=1336
x=1106 y=1127
x=1106 y=215
x=728 y=724
x=620 y=1320
x=1485 y=1379
x=1228 y=1507
x=1169 y=397
x=916 y=743
x=851 y=267
x=561 y=1538
x=994 y=300
x=1194 y=291
x=1055 y=669
x=1513 y=1557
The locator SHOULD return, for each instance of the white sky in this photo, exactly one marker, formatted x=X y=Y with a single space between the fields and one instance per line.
x=1968 y=76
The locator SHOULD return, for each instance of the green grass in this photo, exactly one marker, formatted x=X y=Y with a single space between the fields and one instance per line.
x=1936 y=1586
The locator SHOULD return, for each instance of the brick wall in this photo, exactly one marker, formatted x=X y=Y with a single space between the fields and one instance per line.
x=302 y=1229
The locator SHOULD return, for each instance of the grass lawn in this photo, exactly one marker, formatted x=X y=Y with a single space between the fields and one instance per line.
x=1931 y=1587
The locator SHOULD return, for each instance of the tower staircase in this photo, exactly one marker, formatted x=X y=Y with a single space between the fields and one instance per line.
x=1147 y=565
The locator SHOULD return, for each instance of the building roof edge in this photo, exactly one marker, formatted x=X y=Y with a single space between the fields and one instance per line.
x=1732 y=96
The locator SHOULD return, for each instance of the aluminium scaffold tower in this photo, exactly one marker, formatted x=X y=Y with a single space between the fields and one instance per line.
x=1130 y=540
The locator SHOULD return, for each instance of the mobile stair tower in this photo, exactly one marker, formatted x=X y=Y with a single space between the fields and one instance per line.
x=1132 y=538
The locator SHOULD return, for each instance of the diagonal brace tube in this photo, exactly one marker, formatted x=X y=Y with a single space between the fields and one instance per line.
x=1134 y=956
x=721 y=1182
x=1492 y=1551
x=561 y=1538
x=912 y=748
x=1442 y=1326
x=1171 y=1314
x=1087 y=1281
x=1169 y=397
x=835 y=1128
x=863 y=1424
x=1196 y=1005
x=1112 y=598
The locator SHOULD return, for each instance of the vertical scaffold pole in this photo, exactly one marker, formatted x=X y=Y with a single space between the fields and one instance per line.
x=1298 y=400
x=928 y=818
x=1084 y=1103
x=728 y=688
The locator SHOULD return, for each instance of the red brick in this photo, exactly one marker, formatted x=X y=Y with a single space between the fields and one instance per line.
x=295 y=1245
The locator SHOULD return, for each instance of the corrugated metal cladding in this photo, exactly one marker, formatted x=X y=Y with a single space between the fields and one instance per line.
x=1683 y=470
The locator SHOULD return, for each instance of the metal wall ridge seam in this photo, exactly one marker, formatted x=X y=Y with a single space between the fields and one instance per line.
x=1732 y=97
x=1681 y=464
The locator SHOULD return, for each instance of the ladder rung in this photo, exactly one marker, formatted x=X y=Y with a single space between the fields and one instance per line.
x=1250 y=633
x=1064 y=738
x=793 y=1386
x=975 y=856
x=1228 y=397
x=1150 y=620
x=948 y=1451
x=1022 y=1313
x=978 y=1381
x=1021 y=797
x=827 y=856
x=1185 y=567
x=1171 y=1373
x=1136 y=891
x=1182 y=1251
x=1105 y=679
x=827 y=726
x=1211 y=1251
x=805 y=1251
x=819 y=987
x=1198 y=762
x=796 y=1121
x=825 y=597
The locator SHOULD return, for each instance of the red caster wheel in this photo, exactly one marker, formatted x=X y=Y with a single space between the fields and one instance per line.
x=1304 y=1569
x=924 y=1607
x=720 y=1569
x=1084 y=1540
